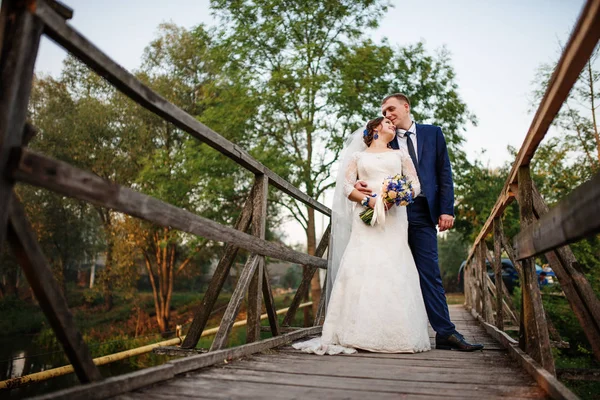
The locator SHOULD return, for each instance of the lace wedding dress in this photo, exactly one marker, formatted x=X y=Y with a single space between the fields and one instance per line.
x=376 y=302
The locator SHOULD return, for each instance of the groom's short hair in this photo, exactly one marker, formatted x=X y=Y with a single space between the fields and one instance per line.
x=399 y=96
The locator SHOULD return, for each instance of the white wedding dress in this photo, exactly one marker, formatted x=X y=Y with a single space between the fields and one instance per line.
x=376 y=302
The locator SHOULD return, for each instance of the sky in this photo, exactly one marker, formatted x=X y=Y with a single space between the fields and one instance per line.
x=496 y=48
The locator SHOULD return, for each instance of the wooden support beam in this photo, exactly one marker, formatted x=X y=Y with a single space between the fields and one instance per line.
x=255 y=290
x=306 y=278
x=320 y=317
x=482 y=279
x=577 y=289
x=233 y=308
x=573 y=218
x=49 y=294
x=65 y=179
x=21 y=33
x=202 y=314
x=534 y=336
x=498 y=272
x=270 y=304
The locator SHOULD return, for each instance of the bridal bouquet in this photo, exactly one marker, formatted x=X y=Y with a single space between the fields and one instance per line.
x=396 y=190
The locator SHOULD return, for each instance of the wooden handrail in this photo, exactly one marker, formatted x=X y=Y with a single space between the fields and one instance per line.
x=574 y=217
x=578 y=50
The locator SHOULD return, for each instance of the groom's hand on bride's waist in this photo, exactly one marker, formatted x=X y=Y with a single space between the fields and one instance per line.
x=363 y=187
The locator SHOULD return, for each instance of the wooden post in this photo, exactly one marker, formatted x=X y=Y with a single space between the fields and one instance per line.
x=320 y=317
x=235 y=302
x=577 y=289
x=202 y=314
x=498 y=272
x=482 y=281
x=20 y=42
x=534 y=337
x=255 y=290
x=306 y=278
x=270 y=304
x=49 y=294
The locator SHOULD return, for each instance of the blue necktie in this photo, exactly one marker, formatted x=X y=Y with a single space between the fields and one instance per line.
x=411 y=152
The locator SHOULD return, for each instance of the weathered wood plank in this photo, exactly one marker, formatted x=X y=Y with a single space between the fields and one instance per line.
x=202 y=314
x=127 y=83
x=254 y=302
x=510 y=311
x=545 y=379
x=48 y=293
x=70 y=181
x=114 y=385
x=579 y=293
x=482 y=273
x=214 y=357
x=498 y=272
x=270 y=303
x=306 y=278
x=503 y=365
x=369 y=386
x=235 y=302
x=320 y=317
x=62 y=9
x=224 y=389
x=255 y=289
x=21 y=35
x=534 y=337
x=573 y=218
x=396 y=371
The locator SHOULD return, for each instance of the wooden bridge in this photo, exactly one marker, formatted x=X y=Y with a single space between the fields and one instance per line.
x=270 y=368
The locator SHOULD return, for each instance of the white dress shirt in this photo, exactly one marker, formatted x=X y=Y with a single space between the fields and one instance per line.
x=401 y=134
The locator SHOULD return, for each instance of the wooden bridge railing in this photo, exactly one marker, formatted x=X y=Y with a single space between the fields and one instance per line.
x=22 y=23
x=543 y=231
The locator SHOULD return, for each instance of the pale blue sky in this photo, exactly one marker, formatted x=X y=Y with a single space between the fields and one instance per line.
x=496 y=47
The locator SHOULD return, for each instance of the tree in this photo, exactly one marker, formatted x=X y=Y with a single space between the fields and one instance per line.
x=84 y=121
x=452 y=250
x=318 y=80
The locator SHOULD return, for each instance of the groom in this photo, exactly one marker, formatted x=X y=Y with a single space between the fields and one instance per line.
x=435 y=205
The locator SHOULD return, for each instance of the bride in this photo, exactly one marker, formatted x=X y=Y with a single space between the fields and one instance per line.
x=375 y=302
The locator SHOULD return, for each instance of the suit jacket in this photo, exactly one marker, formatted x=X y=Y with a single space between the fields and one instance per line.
x=434 y=170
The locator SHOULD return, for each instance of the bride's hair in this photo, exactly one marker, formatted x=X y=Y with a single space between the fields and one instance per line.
x=370 y=131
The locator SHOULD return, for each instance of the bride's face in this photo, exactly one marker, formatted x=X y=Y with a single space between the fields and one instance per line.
x=387 y=130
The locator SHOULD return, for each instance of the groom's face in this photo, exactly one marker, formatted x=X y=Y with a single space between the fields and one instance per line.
x=397 y=111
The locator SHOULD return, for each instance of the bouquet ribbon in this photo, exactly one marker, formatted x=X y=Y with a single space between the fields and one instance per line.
x=378 y=211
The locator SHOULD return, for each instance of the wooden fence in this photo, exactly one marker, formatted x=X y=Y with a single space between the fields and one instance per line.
x=543 y=231
x=22 y=23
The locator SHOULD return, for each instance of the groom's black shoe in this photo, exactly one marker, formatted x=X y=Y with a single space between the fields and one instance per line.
x=456 y=341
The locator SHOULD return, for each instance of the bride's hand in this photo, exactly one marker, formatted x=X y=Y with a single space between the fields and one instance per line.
x=362 y=187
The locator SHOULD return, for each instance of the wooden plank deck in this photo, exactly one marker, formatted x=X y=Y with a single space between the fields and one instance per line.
x=285 y=373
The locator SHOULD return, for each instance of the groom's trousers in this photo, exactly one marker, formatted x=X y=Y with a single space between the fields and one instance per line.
x=422 y=238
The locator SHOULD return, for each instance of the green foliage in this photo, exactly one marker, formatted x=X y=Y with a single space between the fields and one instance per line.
x=292 y=277
x=452 y=251
x=19 y=317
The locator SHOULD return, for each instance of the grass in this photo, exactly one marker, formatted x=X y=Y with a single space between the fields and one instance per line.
x=455 y=298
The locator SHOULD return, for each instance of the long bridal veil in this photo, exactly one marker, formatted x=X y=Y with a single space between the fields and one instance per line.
x=341 y=210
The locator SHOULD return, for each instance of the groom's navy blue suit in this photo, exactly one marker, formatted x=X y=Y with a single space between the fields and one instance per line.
x=437 y=198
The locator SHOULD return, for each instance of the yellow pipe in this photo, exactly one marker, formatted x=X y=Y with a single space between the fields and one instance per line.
x=68 y=369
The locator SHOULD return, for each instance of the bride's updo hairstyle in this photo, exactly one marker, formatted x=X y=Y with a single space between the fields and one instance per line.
x=370 y=131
